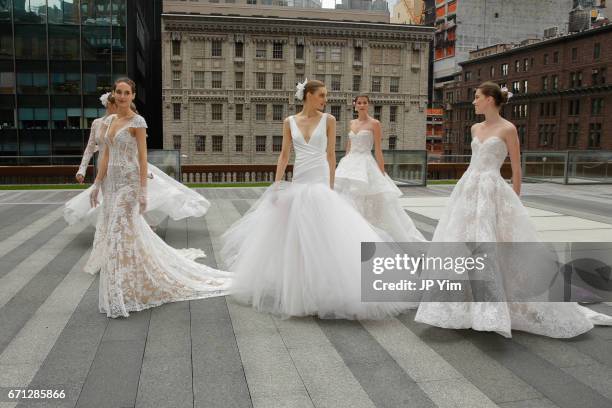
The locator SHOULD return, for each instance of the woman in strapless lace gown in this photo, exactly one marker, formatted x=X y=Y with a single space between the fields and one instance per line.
x=362 y=179
x=484 y=208
x=297 y=251
x=138 y=270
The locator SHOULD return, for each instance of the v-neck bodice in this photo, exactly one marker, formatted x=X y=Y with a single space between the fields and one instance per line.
x=310 y=157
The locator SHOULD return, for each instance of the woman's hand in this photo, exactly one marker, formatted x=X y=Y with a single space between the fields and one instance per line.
x=93 y=195
x=79 y=177
x=142 y=199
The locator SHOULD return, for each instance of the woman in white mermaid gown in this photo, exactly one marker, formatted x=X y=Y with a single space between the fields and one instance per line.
x=362 y=179
x=484 y=208
x=297 y=250
x=138 y=270
x=166 y=196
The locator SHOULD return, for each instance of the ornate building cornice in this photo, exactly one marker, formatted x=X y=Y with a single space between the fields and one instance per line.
x=299 y=27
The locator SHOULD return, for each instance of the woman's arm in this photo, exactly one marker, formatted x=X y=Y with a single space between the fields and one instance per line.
x=514 y=151
x=93 y=195
x=378 y=146
x=283 y=157
x=141 y=141
x=331 y=149
x=90 y=149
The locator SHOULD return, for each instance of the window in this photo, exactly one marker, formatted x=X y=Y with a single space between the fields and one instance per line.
x=555 y=82
x=376 y=84
x=378 y=113
x=176 y=47
x=261 y=51
x=239 y=112
x=277 y=50
x=176 y=79
x=575 y=79
x=392 y=142
x=336 y=53
x=526 y=64
x=556 y=57
x=260 y=143
x=277 y=81
x=467 y=75
x=573 y=132
x=216 y=50
x=356 y=83
x=320 y=54
x=516 y=87
x=574 y=107
x=393 y=114
x=357 y=54
x=574 y=54
x=595 y=135
x=217 y=79
x=545 y=83
x=525 y=83
x=299 y=51
x=239 y=50
x=217 y=143
x=517 y=66
x=198 y=79
x=521 y=134
x=546 y=134
x=394 y=84
x=217 y=112
x=252 y=2
x=199 y=112
x=239 y=143
x=336 y=111
x=260 y=112
x=200 y=143
x=504 y=69
x=239 y=80
x=492 y=72
x=176 y=111
x=336 y=82
x=277 y=143
x=260 y=80
x=338 y=143
x=277 y=112
x=545 y=59
x=597 y=106
x=176 y=142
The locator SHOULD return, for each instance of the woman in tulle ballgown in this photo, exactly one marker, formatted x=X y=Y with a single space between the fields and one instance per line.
x=483 y=208
x=364 y=182
x=166 y=196
x=297 y=250
x=138 y=270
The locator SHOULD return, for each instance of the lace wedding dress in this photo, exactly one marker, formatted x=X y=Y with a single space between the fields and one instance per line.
x=166 y=197
x=138 y=270
x=296 y=252
x=484 y=208
x=373 y=193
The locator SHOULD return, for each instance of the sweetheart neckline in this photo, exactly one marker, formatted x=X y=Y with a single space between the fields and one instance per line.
x=487 y=139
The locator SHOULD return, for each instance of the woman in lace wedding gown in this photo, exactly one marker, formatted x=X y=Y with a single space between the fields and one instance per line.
x=137 y=269
x=484 y=208
x=297 y=250
x=166 y=196
x=364 y=182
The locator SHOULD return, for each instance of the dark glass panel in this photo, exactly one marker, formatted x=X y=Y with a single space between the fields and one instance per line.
x=64 y=43
x=30 y=42
x=95 y=12
x=30 y=11
x=63 y=11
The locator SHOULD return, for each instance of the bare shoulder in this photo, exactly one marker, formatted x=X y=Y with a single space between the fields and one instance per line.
x=331 y=118
x=508 y=128
x=287 y=121
x=476 y=126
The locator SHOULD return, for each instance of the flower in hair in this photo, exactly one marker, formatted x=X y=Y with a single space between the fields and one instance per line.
x=505 y=89
x=300 y=89
x=104 y=99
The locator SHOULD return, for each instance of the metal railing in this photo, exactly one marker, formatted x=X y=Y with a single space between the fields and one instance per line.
x=568 y=167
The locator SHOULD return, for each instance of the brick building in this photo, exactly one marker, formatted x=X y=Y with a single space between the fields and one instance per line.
x=562 y=92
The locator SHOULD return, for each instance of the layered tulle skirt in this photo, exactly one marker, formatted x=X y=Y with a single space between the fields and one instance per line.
x=296 y=252
x=166 y=197
x=375 y=195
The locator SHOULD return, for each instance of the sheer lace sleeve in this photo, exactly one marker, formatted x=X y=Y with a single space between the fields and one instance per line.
x=91 y=147
x=138 y=122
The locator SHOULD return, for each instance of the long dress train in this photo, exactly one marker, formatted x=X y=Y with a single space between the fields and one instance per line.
x=138 y=270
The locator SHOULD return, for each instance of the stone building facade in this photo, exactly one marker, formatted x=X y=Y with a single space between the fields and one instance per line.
x=229 y=81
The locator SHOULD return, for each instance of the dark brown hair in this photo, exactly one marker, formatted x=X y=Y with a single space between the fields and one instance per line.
x=361 y=96
x=493 y=90
x=125 y=80
x=312 y=86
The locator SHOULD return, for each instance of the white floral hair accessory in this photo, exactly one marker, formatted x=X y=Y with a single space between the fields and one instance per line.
x=300 y=89
x=104 y=99
x=505 y=89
